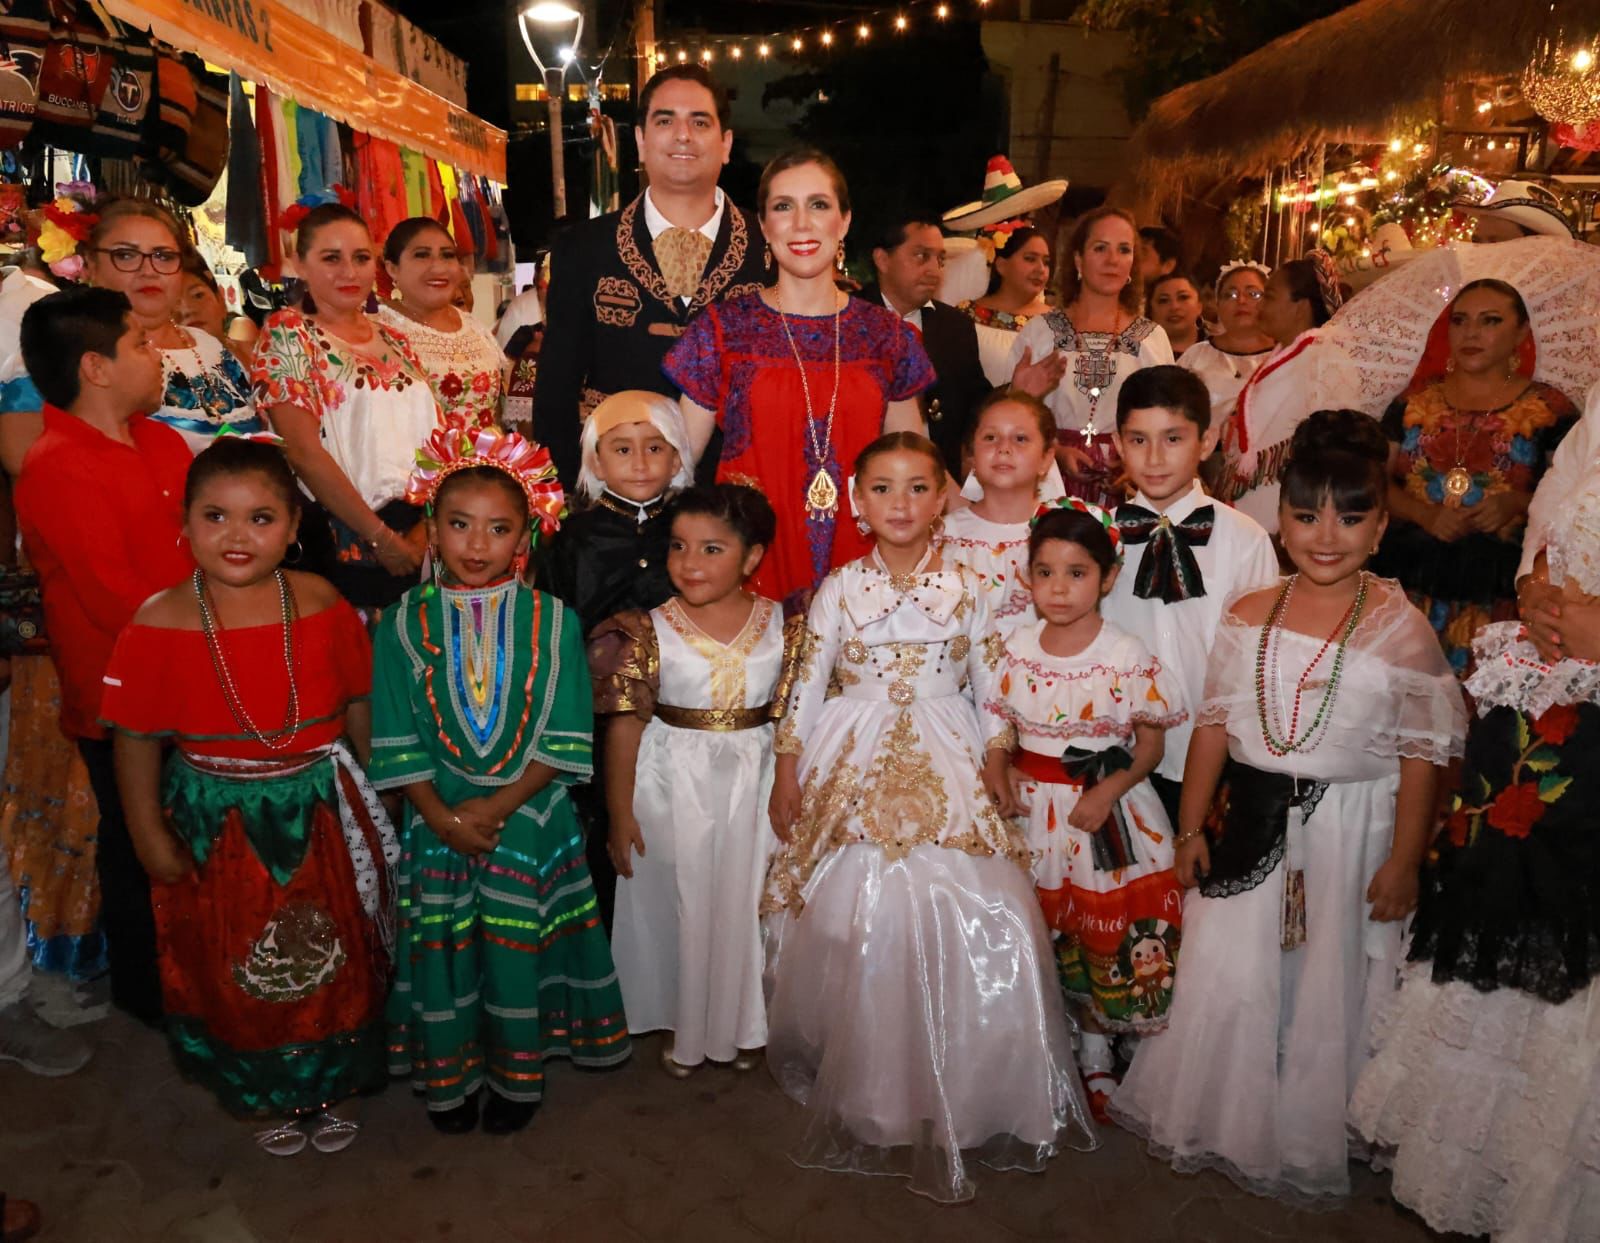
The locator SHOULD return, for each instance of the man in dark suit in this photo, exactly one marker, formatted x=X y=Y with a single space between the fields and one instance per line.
x=623 y=286
x=909 y=258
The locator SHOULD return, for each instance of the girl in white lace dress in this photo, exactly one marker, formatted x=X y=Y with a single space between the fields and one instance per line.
x=1091 y=706
x=1327 y=706
x=691 y=687
x=1484 y=1091
x=1012 y=444
x=913 y=1006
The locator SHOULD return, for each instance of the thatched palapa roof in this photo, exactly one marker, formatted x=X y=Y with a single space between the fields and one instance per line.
x=1345 y=78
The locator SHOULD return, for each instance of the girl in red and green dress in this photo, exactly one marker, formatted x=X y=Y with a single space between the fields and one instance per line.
x=270 y=855
x=482 y=719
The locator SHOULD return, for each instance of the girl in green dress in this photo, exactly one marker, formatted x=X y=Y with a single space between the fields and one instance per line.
x=482 y=720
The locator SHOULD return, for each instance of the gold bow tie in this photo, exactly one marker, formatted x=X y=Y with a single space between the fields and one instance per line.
x=681 y=255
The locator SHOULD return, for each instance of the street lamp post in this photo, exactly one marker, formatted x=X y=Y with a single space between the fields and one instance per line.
x=553 y=17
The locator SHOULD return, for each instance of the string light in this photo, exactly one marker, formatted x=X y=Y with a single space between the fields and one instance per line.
x=705 y=56
x=894 y=20
x=764 y=51
x=863 y=31
x=682 y=56
x=797 y=43
x=827 y=38
x=942 y=12
x=900 y=22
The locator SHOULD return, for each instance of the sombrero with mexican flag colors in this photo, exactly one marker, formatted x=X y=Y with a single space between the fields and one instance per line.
x=1004 y=196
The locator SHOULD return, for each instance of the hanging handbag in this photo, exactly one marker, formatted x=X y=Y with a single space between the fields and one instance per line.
x=194 y=174
x=24 y=34
x=119 y=124
x=72 y=78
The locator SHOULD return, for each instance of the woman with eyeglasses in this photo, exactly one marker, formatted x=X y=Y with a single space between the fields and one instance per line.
x=1230 y=358
x=138 y=249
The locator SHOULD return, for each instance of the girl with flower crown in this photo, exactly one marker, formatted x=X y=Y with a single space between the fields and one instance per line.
x=912 y=1004
x=1328 y=708
x=270 y=857
x=1089 y=708
x=482 y=720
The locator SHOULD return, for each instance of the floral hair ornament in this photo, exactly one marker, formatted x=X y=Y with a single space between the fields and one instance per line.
x=1083 y=507
x=1241 y=265
x=997 y=237
x=262 y=437
x=455 y=447
x=64 y=226
x=290 y=218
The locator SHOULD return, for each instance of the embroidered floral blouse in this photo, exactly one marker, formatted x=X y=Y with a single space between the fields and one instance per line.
x=466 y=367
x=371 y=415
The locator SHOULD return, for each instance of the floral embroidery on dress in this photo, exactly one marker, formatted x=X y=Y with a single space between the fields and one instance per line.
x=297 y=363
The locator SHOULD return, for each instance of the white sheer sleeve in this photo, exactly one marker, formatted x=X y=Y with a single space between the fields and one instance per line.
x=818 y=649
x=1426 y=717
x=1568 y=467
x=1230 y=673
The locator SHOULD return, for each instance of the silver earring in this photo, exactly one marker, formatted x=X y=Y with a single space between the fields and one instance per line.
x=863 y=526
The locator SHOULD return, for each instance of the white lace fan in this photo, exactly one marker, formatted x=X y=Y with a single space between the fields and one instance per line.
x=1384 y=329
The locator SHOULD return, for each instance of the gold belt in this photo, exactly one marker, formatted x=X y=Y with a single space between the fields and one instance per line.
x=722 y=720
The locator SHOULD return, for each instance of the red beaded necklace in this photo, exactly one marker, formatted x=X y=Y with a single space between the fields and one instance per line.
x=1268 y=671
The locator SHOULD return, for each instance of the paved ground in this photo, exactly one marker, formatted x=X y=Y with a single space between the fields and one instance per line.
x=128 y=1151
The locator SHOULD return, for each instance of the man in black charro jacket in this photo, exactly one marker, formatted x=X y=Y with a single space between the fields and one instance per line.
x=625 y=285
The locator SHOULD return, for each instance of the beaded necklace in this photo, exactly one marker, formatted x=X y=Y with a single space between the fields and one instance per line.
x=209 y=627
x=1267 y=711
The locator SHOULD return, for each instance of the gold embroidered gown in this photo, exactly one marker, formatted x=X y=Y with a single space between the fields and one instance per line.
x=912 y=1002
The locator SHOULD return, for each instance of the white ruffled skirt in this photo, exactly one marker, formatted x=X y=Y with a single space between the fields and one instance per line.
x=914 y=1010
x=1487 y=1108
x=1263 y=1046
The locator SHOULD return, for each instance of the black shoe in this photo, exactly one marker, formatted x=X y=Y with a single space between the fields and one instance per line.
x=503 y=1117
x=457 y=1121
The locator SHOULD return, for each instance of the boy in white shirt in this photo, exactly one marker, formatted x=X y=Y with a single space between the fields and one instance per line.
x=1186 y=554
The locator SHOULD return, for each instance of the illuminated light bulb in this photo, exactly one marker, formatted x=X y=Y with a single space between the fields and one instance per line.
x=942 y=12
x=797 y=43
x=1583 y=60
x=1485 y=106
x=764 y=50
x=827 y=38
x=737 y=53
x=1391 y=175
x=1395 y=144
x=1349 y=222
x=1418 y=148
x=863 y=30
x=682 y=56
x=900 y=22
x=1491 y=144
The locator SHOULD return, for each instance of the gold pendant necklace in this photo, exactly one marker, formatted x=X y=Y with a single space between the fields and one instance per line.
x=822 y=496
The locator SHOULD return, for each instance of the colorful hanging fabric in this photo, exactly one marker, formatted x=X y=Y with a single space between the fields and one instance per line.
x=438 y=204
x=291 y=142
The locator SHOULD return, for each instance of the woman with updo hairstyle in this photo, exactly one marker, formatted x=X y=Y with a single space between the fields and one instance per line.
x=1300 y=297
x=799 y=377
x=1017 y=282
x=1327 y=715
x=352 y=402
x=465 y=366
x=1102 y=333
x=1466 y=453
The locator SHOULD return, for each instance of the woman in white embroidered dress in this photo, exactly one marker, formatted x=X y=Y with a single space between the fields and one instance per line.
x=351 y=400
x=1327 y=707
x=913 y=1004
x=1100 y=329
x=466 y=368
x=1284 y=389
x=1226 y=361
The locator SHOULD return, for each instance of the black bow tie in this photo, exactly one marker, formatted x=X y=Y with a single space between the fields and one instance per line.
x=1169 y=571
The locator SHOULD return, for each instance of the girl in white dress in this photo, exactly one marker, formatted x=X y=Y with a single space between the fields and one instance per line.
x=1090 y=706
x=1327 y=706
x=688 y=775
x=1012 y=445
x=913 y=1005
